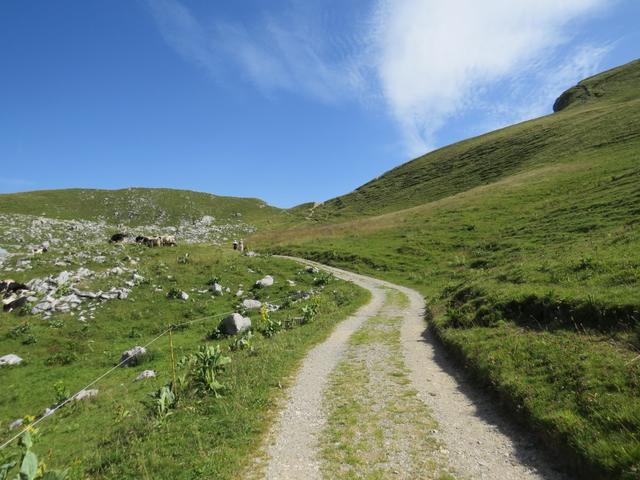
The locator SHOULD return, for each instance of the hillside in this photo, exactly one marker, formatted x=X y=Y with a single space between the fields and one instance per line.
x=140 y=206
x=526 y=244
x=599 y=112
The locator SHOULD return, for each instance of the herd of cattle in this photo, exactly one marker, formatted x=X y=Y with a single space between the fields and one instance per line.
x=161 y=241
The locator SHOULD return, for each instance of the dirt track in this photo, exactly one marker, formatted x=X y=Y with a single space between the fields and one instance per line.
x=475 y=441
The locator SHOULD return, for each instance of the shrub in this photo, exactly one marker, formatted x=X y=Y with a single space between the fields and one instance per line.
x=309 y=311
x=204 y=368
x=174 y=293
x=19 y=330
x=242 y=342
x=268 y=326
x=61 y=358
x=323 y=278
x=163 y=402
x=61 y=392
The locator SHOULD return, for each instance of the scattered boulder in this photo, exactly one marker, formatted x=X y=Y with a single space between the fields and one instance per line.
x=312 y=269
x=145 y=374
x=234 y=324
x=217 y=289
x=267 y=281
x=85 y=394
x=133 y=356
x=240 y=292
x=11 y=359
x=251 y=304
x=291 y=283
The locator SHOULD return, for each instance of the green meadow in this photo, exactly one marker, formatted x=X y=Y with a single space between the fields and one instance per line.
x=119 y=434
x=526 y=244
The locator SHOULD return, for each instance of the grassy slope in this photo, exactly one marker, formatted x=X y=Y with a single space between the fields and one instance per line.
x=136 y=206
x=497 y=155
x=114 y=436
x=526 y=242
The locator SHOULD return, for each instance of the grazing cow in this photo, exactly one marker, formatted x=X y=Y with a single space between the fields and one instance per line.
x=4 y=285
x=117 y=237
x=17 y=303
x=12 y=286
x=152 y=242
x=168 y=240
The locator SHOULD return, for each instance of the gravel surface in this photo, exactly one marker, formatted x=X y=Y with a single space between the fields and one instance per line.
x=293 y=445
x=478 y=441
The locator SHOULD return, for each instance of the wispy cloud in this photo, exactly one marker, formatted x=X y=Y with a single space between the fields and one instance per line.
x=425 y=61
x=292 y=50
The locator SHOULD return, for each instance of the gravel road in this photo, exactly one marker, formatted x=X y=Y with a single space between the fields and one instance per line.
x=478 y=442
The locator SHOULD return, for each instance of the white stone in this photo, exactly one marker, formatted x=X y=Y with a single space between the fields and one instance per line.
x=251 y=304
x=11 y=359
x=267 y=281
x=145 y=374
x=85 y=394
x=217 y=289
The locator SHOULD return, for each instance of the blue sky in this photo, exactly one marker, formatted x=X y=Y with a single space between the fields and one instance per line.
x=286 y=100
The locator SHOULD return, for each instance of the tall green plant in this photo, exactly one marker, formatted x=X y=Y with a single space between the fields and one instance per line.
x=26 y=466
x=204 y=368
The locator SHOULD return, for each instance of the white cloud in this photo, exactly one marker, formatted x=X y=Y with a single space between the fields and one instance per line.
x=426 y=61
x=435 y=58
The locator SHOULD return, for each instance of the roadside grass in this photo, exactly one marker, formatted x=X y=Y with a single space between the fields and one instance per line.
x=377 y=427
x=114 y=435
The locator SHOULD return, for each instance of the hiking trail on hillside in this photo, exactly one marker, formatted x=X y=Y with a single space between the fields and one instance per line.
x=378 y=399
